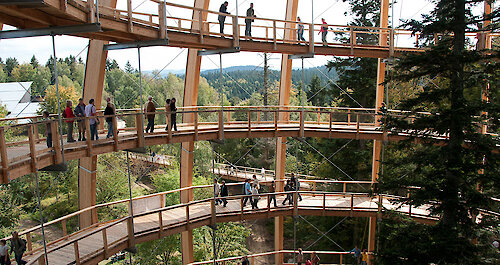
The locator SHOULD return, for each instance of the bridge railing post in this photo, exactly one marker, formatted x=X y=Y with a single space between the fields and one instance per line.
x=29 y=242
x=129 y=15
x=105 y=243
x=196 y=126
x=188 y=221
x=35 y=130
x=330 y=124
x=311 y=38
x=77 y=252
x=301 y=134
x=4 y=156
x=88 y=141
x=139 y=129
x=56 y=142
x=200 y=25
x=236 y=37
x=221 y=125
x=275 y=35
x=115 y=133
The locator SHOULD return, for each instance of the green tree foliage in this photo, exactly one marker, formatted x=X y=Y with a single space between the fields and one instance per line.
x=357 y=76
x=10 y=64
x=448 y=173
x=65 y=93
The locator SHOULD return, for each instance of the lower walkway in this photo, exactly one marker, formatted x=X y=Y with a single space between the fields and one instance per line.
x=152 y=220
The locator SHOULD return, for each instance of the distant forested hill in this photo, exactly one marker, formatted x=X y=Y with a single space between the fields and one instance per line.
x=242 y=81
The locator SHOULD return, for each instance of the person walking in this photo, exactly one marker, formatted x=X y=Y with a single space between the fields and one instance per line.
x=248 y=21
x=68 y=115
x=364 y=257
x=296 y=185
x=300 y=30
x=90 y=111
x=323 y=31
x=150 y=115
x=288 y=188
x=224 y=193
x=217 y=192
x=109 y=111
x=222 y=18
x=173 y=116
x=255 y=196
x=272 y=197
x=167 y=110
x=248 y=193
x=4 y=253
x=18 y=246
x=300 y=257
x=255 y=181
x=80 y=113
x=356 y=253
x=244 y=261
x=314 y=258
x=48 y=128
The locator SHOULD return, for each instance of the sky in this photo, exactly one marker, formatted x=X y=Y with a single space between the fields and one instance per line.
x=171 y=58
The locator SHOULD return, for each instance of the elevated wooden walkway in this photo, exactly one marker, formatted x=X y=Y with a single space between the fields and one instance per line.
x=153 y=220
x=27 y=152
x=124 y=26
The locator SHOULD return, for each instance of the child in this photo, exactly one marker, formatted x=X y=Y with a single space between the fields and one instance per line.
x=48 y=131
x=364 y=257
x=4 y=253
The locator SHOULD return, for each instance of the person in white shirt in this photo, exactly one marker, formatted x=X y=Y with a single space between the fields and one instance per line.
x=4 y=253
x=255 y=195
x=217 y=192
x=256 y=181
x=90 y=111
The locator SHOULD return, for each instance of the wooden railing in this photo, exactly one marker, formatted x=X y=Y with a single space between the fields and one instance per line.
x=341 y=256
x=21 y=151
x=264 y=29
x=154 y=204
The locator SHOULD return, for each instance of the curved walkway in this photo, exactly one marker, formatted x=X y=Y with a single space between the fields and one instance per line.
x=152 y=220
x=28 y=152
x=124 y=26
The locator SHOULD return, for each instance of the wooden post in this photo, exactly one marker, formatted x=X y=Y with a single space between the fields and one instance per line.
x=35 y=130
x=212 y=212
x=324 y=203
x=64 y=227
x=130 y=232
x=28 y=242
x=91 y=7
x=32 y=143
x=105 y=243
x=311 y=38
x=196 y=126
x=221 y=125
x=56 y=142
x=162 y=20
x=276 y=123
x=200 y=26
x=130 y=27
x=274 y=34
x=77 y=252
x=249 y=124
x=301 y=134
x=139 y=129
x=330 y=125
x=236 y=37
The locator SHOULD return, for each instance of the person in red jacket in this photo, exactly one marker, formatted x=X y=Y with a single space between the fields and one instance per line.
x=323 y=31
x=68 y=116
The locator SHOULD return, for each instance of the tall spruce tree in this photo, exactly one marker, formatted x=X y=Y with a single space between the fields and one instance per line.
x=460 y=173
x=358 y=76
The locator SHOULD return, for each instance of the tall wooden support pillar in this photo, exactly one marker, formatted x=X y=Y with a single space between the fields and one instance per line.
x=87 y=166
x=192 y=81
x=92 y=88
x=377 y=144
x=284 y=100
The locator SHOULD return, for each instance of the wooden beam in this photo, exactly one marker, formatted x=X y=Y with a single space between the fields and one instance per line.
x=371 y=237
x=191 y=84
x=92 y=88
x=284 y=100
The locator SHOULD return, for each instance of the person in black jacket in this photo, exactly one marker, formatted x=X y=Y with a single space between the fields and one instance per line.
x=224 y=193
x=222 y=18
x=80 y=113
x=109 y=111
x=288 y=188
x=248 y=21
x=173 y=116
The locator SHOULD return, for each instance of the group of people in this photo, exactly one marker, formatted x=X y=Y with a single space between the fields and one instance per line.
x=81 y=110
x=170 y=107
x=250 y=18
x=17 y=246
x=360 y=257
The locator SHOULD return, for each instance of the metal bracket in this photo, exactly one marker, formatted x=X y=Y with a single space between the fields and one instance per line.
x=219 y=51
x=50 y=31
x=136 y=44
x=86 y=170
x=300 y=56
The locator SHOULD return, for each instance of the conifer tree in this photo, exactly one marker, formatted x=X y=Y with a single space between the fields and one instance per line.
x=460 y=172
